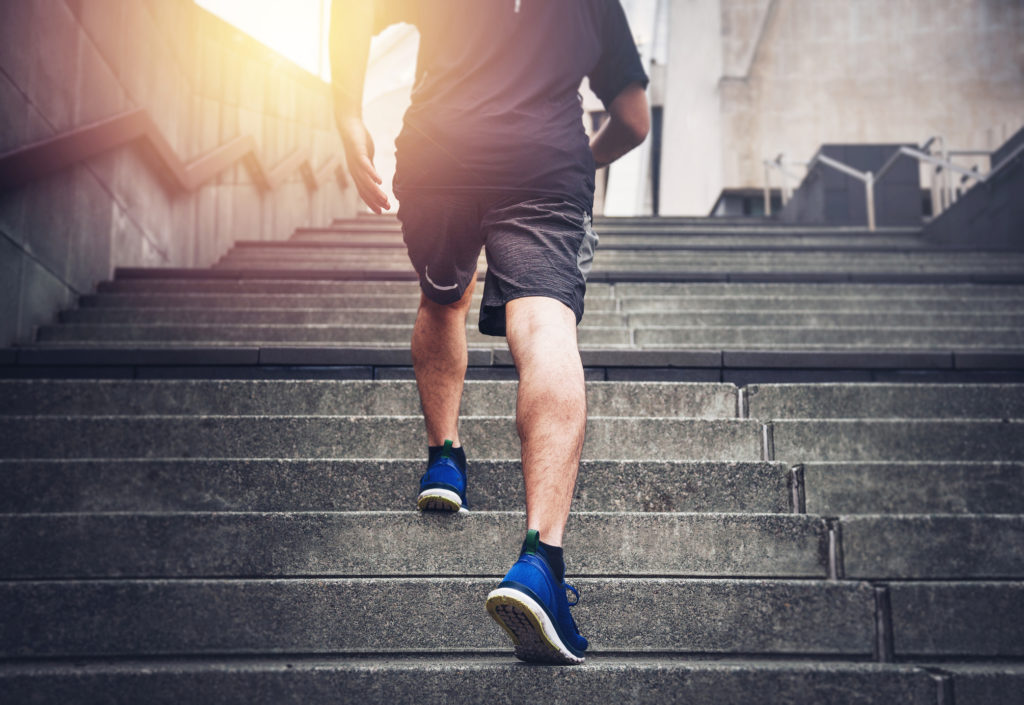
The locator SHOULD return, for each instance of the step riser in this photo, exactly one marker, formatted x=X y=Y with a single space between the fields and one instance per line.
x=341 y=398
x=914 y=488
x=861 y=440
x=235 y=316
x=822 y=401
x=443 y=615
x=476 y=681
x=285 y=485
x=409 y=543
x=357 y=437
x=282 y=333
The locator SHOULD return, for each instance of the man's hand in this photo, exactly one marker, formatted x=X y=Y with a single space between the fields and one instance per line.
x=351 y=28
x=359 y=156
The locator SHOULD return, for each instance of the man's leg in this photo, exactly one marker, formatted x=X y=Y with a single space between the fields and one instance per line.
x=551 y=408
x=439 y=359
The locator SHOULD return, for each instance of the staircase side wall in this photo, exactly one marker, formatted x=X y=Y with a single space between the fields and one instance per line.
x=990 y=215
x=827 y=196
x=69 y=63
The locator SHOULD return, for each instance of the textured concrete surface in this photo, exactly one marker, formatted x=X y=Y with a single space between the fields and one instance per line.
x=327 y=615
x=98 y=397
x=490 y=680
x=838 y=401
x=402 y=543
x=110 y=485
x=356 y=437
x=957 y=618
x=799 y=441
x=937 y=546
x=986 y=683
x=914 y=487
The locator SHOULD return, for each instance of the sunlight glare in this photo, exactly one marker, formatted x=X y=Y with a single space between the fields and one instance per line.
x=296 y=29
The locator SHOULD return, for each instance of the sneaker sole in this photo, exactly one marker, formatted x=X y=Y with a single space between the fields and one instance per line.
x=531 y=629
x=440 y=500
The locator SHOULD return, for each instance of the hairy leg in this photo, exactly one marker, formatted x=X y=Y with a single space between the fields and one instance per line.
x=551 y=408
x=439 y=359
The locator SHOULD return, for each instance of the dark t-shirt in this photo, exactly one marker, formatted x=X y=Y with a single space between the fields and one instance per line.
x=496 y=100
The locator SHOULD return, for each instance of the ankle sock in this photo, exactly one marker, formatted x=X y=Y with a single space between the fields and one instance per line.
x=456 y=454
x=553 y=554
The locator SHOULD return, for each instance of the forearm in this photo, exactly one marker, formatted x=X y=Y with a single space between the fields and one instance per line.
x=351 y=30
x=611 y=141
x=626 y=127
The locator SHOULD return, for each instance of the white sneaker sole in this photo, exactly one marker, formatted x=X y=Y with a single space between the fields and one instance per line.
x=440 y=500
x=532 y=631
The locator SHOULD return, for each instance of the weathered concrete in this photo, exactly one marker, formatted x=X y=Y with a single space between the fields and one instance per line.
x=479 y=680
x=329 y=615
x=111 y=485
x=356 y=437
x=348 y=398
x=986 y=683
x=911 y=439
x=933 y=546
x=268 y=545
x=838 y=401
x=911 y=487
x=957 y=618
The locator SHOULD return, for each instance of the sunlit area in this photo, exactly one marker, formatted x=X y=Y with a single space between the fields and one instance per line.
x=296 y=29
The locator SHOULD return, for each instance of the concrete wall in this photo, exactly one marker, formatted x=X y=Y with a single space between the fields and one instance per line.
x=68 y=63
x=791 y=75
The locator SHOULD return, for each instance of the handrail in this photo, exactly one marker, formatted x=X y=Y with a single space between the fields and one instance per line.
x=941 y=163
x=51 y=155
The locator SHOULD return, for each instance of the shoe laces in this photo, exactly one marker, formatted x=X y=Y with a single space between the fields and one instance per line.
x=574 y=591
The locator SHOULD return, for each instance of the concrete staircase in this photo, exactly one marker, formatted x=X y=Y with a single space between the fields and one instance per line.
x=803 y=481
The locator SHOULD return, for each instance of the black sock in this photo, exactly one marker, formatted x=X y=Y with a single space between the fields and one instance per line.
x=554 y=556
x=456 y=454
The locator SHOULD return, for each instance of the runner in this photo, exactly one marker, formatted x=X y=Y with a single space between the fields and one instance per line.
x=493 y=155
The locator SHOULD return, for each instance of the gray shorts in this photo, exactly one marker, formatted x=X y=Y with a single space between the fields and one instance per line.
x=535 y=246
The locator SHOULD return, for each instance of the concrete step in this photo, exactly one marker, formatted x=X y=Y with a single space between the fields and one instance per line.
x=436 y=615
x=632 y=239
x=284 y=316
x=831 y=401
x=960 y=547
x=897 y=440
x=923 y=337
x=351 y=397
x=865 y=303
x=267 y=333
x=851 y=291
x=371 y=437
x=954 y=619
x=914 y=487
x=354 y=544
x=390 y=302
x=818 y=319
x=484 y=680
x=286 y=485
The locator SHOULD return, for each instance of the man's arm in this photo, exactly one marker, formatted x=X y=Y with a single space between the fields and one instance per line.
x=352 y=24
x=628 y=123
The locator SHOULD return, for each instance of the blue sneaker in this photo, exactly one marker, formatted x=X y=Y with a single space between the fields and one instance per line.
x=531 y=605
x=443 y=485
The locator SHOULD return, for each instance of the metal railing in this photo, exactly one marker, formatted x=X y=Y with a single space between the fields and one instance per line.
x=944 y=192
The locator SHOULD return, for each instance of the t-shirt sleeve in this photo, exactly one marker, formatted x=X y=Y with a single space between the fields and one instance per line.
x=619 y=64
x=389 y=12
